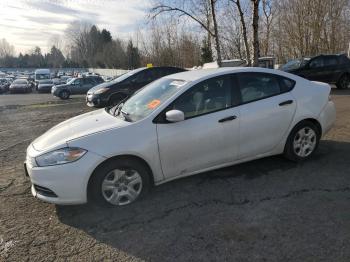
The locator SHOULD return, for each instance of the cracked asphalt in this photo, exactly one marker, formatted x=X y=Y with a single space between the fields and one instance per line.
x=265 y=210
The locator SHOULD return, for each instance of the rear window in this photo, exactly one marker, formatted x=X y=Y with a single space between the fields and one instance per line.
x=330 y=60
x=286 y=84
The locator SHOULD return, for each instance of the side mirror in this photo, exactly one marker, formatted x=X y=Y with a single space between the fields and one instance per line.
x=175 y=116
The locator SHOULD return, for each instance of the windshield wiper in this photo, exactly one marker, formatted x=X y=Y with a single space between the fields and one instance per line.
x=126 y=115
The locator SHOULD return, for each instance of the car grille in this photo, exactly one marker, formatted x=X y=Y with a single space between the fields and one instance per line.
x=44 y=191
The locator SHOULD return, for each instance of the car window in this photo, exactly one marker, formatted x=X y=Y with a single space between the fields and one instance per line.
x=256 y=86
x=88 y=80
x=140 y=77
x=317 y=62
x=286 y=84
x=330 y=61
x=77 y=82
x=208 y=96
x=343 y=59
x=171 y=70
x=157 y=73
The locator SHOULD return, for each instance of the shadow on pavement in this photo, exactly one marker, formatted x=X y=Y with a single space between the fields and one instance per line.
x=208 y=216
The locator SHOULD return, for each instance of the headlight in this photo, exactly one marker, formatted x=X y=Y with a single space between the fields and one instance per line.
x=101 y=90
x=60 y=156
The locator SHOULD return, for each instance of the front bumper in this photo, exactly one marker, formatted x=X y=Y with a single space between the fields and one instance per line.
x=68 y=182
x=45 y=89
x=95 y=101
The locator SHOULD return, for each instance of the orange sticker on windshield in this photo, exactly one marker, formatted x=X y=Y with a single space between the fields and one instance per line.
x=153 y=104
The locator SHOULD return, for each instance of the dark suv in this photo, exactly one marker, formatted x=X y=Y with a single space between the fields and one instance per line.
x=113 y=92
x=332 y=69
x=78 y=85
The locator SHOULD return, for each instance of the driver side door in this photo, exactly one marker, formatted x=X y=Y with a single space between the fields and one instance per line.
x=88 y=83
x=76 y=86
x=209 y=135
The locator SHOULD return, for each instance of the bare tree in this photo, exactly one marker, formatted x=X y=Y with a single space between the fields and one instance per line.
x=256 y=50
x=244 y=29
x=268 y=16
x=216 y=32
x=190 y=12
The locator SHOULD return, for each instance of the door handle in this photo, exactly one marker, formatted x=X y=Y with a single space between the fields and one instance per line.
x=284 y=103
x=229 y=118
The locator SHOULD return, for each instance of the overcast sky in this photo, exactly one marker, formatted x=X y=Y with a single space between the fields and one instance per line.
x=29 y=23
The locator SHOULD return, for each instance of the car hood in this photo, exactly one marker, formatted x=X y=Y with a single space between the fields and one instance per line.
x=61 y=86
x=79 y=126
x=103 y=85
x=19 y=85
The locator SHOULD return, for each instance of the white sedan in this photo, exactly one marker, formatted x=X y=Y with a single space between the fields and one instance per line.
x=177 y=126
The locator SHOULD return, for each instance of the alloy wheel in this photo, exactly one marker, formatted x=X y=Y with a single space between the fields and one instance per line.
x=121 y=187
x=304 y=142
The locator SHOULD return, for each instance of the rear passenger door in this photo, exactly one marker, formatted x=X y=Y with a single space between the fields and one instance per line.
x=266 y=112
x=331 y=70
x=315 y=69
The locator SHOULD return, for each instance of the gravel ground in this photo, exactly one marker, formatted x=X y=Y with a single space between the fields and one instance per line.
x=264 y=210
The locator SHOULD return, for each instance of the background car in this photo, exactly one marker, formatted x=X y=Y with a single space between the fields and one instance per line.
x=20 y=86
x=4 y=85
x=332 y=69
x=44 y=86
x=78 y=85
x=113 y=92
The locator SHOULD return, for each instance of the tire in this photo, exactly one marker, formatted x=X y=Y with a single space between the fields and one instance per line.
x=64 y=94
x=111 y=183
x=116 y=99
x=343 y=82
x=302 y=141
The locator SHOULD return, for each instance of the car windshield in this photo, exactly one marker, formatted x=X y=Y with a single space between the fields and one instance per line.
x=126 y=75
x=42 y=76
x=70 y=81
x=20 y=82
x=46 y=82
x=144 y=102
x=294 y=64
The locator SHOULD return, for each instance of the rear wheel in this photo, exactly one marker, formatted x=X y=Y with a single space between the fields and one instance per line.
x=119 y=182
x=64 y=94
x=343 y=82
x=302 y=141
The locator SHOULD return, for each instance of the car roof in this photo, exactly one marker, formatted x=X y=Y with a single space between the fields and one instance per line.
x=195 y=75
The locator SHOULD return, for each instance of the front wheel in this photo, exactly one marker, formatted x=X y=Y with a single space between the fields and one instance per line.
x=302 y=141
x=64 y=94
x=119 y=182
